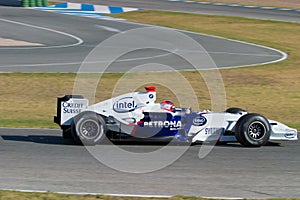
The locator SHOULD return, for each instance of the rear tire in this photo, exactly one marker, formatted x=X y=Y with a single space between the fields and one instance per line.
x=88 y=128
x=66 y=133
x=253 y=130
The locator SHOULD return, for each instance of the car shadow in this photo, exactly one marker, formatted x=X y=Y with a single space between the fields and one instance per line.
x=59 y=140
x=41 y=139
x=236 y=144
x=147 y=143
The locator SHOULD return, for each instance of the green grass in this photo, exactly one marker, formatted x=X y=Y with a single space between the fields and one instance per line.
x=271 y=3
x=10 y=195
x=15 y=195
x=29 y=99
x=50 y=3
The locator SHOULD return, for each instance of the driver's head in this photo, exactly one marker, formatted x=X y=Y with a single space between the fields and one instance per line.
x=167 y=105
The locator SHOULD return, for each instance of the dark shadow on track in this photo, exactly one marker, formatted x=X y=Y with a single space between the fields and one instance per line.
x=41 y=139
x=58 y=140
x=271 y=144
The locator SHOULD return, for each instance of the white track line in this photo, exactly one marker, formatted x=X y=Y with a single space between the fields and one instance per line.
x=107 y=28
x=114 y=195
x=86 y=193
x=94 y=62
x=79 y=40
x=284 y=55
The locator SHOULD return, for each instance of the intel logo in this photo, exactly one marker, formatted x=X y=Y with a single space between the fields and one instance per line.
x=125 y=104
x=199 y=121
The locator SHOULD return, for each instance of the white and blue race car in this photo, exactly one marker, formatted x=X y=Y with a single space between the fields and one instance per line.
x=136 y=116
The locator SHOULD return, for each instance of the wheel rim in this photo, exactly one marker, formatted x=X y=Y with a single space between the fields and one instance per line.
x=256 y=130
x=90 y=129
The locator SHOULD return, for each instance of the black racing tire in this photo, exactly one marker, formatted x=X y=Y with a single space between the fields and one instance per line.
x=66 y=133
x=253 y=130
x=235 y=110
x=88 y=128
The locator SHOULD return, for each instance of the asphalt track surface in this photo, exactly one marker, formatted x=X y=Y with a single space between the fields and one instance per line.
x=42 y=160
x=201 y=9
x=34 y=159
x=69 y=39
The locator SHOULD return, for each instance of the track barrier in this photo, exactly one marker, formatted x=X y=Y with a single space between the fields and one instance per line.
x=34 y=3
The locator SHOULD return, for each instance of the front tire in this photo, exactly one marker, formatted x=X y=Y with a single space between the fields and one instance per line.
x=253 y=130
x=235 y=110
x=88 y=128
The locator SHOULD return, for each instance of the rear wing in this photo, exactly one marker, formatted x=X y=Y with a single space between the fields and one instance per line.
x=68 y=107
x=121 y=107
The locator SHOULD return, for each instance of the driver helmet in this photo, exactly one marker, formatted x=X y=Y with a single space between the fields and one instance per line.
x=167 y=105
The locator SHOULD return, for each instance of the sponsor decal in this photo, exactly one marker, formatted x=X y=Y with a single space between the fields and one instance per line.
x=126 y=104
x=290 y=135
x=163 y=124
x=199 y=121
x=213 y=131
x=72 y=108
x=151 y=96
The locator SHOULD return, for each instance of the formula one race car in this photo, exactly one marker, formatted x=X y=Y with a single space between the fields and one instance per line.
x=136 y=116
